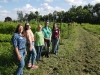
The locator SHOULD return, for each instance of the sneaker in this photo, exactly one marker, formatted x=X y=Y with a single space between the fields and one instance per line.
x=34 y=67
x=29 y=65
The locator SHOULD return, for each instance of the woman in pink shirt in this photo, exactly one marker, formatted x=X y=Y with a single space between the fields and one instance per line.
x=30 y=45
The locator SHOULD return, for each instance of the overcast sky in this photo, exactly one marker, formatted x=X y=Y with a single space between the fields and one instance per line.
x=10 y=7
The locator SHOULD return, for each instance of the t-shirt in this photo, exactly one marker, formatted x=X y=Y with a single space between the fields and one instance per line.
x=39 y=38
x=47 y=32
x=55 y=33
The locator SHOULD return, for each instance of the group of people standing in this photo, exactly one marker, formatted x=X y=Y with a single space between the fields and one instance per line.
x=23 y=38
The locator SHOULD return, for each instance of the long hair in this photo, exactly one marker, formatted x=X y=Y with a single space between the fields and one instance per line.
x=17 y=29
x=25 y=28
x=53 y=26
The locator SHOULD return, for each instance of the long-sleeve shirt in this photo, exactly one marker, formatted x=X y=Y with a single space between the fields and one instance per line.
x=18 y=41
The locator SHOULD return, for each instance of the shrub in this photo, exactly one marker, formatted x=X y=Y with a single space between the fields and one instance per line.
x=5 y=37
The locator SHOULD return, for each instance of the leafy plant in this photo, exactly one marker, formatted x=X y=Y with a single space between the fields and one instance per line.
x=5 y=37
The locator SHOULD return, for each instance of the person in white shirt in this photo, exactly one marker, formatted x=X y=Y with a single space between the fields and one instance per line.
x=30 y=45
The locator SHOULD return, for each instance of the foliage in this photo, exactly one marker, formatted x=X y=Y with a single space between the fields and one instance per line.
x=7 y=19
x=7 y=60
x=78 y=55
x=20 y=16
x=7 y=51
x=92 y=28
x=5 y=37
x=80 y=14
x=7 y=27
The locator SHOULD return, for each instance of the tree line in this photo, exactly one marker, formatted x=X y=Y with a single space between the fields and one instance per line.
x=86 y=14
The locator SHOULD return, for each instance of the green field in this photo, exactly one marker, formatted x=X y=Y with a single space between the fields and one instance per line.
x=79 y=51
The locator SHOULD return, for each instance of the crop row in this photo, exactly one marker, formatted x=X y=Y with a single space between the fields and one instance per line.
x=5 y=37
x=7 y=30
x=92 y=28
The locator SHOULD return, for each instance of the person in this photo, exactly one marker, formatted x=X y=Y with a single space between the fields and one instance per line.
x=47 y=38
x=19 y=44
x=30 y=46
x=39 y=41
x=55 y=38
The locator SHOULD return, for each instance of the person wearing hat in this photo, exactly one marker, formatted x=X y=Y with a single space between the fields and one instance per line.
x=47 y=38
x=30 y=45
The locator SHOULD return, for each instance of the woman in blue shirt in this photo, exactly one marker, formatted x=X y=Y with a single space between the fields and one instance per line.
x=19 y=44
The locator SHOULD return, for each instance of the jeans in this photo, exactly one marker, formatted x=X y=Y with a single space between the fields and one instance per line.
x=21 y=63
x=38 y=50
x=47 y=46
x=55 y=44
x=31 y=54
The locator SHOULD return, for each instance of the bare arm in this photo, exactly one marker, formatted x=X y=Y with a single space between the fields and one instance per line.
x=28 y=36
x=17 y=53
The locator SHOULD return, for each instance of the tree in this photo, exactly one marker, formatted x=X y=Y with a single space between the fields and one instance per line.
x=20 y=15
x=96 y=15
x=26 y=17
x=54 y=15
x=8 y=19
x=89 y=13
x=31 y=16
x=45 y=17
x=50 y=18
x=79 y=15
x=37 y=16
x=85 y=14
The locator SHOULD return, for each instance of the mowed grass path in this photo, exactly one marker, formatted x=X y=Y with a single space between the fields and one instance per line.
x=87 y=53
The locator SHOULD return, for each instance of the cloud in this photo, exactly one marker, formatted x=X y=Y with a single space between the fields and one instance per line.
x=48 y=1
x=76 y=2
x=95 y=1
x=26 y=9
x=46 y=7
x=5 y=1
x=43 y=10
x=14 y=0
x=49 y=9
x=3 y=14
x=0 y=6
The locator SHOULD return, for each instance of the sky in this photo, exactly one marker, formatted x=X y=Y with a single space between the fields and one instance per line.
x=9 y=8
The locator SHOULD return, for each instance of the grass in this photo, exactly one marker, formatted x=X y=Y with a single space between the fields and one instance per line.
x=79 y=54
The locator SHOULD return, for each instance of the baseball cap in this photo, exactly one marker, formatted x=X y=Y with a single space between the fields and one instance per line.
x=27 y=24
x=47 y=22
